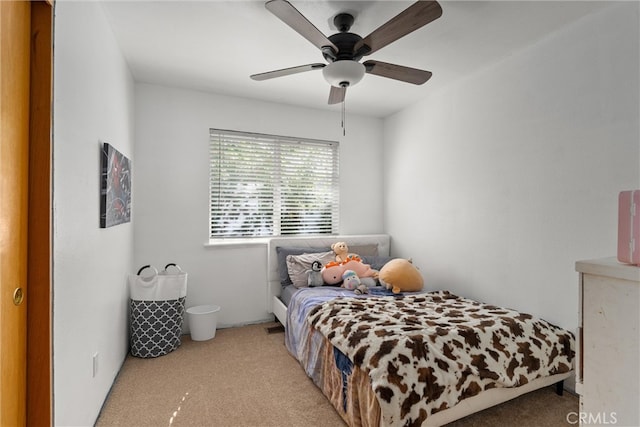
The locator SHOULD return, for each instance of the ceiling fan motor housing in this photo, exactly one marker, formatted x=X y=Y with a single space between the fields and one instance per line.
x=344 y=40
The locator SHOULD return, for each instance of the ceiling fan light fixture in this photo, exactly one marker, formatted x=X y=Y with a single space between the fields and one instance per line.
x=343 y=73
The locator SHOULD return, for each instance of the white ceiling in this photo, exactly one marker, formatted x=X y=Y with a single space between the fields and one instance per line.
x=215 y=45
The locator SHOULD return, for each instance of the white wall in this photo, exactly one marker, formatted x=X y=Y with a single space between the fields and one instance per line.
x=171 y=189
x=497 y=184
x=93 y=101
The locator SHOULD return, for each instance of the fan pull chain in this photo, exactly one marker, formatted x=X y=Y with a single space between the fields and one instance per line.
x=344 y=118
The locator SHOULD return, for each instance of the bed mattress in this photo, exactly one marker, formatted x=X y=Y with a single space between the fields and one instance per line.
x=403 y=359
x=287 y=293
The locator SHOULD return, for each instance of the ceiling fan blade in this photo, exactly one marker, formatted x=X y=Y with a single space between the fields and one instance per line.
x=412 y=18
x=397 y=72
x=286 y=71
x=293 y=18
x=336 y=95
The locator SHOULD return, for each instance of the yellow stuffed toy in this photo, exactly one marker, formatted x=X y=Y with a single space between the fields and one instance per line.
x=400 y=275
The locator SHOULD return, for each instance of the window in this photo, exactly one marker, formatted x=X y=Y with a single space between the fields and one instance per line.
x=265 y=185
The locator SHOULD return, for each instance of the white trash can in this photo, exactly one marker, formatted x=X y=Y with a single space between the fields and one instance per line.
x=203 y=320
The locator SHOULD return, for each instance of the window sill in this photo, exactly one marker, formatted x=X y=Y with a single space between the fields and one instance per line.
x=236 y=242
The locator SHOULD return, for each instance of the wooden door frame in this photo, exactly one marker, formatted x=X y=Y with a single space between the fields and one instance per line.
x=14 y=154
x=39 y=402
x=26 y=336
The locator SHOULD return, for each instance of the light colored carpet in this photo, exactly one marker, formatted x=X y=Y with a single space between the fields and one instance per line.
x=245 y=377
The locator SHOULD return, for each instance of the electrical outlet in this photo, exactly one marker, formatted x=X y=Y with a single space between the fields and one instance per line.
x=95 y=364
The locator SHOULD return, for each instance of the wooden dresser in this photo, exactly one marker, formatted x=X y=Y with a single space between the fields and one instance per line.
x=608 y=351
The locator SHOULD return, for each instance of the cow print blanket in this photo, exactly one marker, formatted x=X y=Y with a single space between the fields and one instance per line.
x=427 y=352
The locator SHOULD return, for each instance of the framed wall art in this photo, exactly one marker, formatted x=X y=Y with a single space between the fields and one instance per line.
x=115 y=187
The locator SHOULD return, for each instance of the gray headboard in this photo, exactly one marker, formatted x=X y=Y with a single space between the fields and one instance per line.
x=273 y=279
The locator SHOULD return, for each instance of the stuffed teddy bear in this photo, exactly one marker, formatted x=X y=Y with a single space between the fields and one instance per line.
x=315 y=276
x=341 y=250
x=350 y=280
x=400 y=275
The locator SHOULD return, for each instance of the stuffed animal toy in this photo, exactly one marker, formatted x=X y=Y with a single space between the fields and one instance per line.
x=350 y=280
x=400 y=275
x=341 y=250
x=332 y=271
x=315 y=276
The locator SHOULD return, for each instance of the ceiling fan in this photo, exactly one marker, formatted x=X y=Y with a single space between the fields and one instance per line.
x=344 y=50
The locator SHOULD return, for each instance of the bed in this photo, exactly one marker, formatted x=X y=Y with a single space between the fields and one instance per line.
x=419 y=359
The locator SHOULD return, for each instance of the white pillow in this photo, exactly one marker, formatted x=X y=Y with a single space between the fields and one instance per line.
x=298 y=266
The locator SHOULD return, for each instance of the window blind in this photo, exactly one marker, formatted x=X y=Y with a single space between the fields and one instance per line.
x=266 y=185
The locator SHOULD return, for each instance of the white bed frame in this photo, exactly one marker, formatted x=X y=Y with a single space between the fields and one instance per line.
x=467 y=406
x=274 y=304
